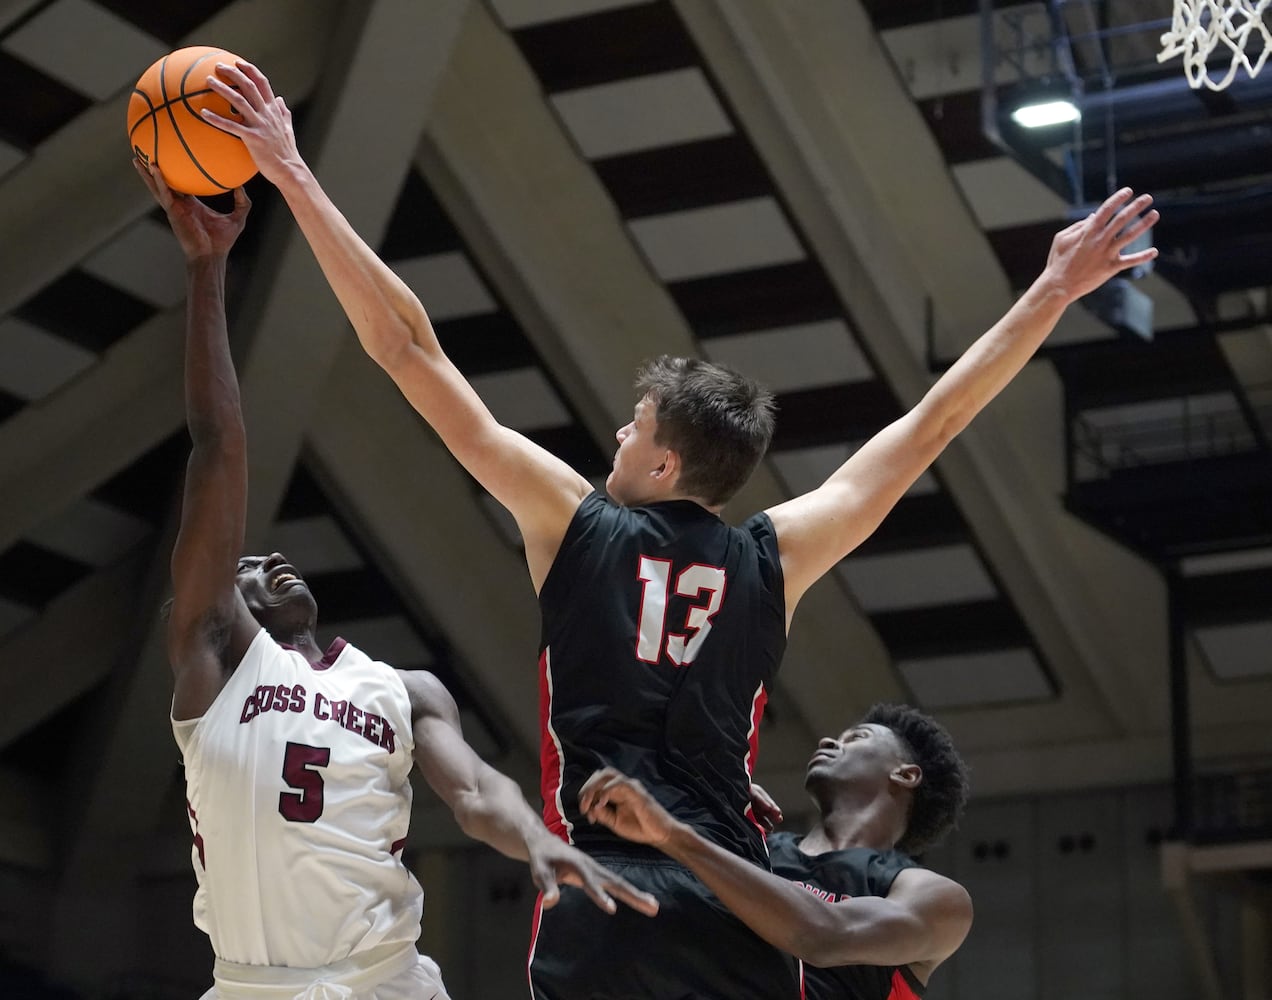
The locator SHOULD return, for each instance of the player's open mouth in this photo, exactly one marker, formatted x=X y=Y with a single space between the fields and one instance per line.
x=281 y=579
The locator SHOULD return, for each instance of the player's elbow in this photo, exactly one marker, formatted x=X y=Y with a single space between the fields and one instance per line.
x=470 y=812
x=387 y=342
x=947 y=421
x=822 y=940
x=219 y=431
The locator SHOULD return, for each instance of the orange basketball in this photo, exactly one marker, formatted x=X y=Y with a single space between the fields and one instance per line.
x=165 y=127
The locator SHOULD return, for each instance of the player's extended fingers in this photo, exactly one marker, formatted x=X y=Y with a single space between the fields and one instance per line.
x=146 y=178
x=163 y=194
x=611 y=794
x=237 y=88
x=1112 y=204
x=249 y=114
x=593 y=784
x=625 y=892
x=589 y=876
x=545 y=880
x=1128 y=216
x=238 y=128
x=1135 y=228
x=1135 y=259
x=766 y=810
x=259 y=79
x=760 y=794
x=599 y=810
x=242 y=203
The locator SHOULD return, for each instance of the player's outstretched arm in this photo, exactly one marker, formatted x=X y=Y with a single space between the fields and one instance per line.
x=209 y=628
x=818 y=529
x=490 y=807
x=922 y=921
x=541 y=491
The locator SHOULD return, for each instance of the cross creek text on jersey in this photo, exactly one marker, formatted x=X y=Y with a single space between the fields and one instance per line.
x=283 y=698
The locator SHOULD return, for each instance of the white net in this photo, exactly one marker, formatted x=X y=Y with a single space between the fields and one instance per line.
x=1233 y=27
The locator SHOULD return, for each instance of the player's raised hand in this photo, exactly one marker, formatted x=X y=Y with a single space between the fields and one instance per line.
x=612 y=799
x=266 y=125
x=200 y=230
x=554 y=863
x=765 y=810
x=1088 y=253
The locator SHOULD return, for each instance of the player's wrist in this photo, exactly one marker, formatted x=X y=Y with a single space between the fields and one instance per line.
x=292 y=176
x=205 y=264
x=679 y=841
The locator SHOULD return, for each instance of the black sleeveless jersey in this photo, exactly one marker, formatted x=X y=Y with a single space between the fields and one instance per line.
x=663 y=628
x=836 y=876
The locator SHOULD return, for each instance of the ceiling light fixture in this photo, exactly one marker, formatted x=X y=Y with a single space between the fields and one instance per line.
x=1044 y=113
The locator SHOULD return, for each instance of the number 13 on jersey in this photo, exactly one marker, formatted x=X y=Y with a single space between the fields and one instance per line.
x=693 y=581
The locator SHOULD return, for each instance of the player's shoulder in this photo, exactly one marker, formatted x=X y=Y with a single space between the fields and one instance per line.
x=426 y=693
x=932 y=887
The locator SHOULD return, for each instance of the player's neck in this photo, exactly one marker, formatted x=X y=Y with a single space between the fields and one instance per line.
x=670 y=496
x=703 y=504
x=849 y=822
x=302 y=641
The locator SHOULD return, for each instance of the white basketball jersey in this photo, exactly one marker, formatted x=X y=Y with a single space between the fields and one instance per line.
x=299 y=799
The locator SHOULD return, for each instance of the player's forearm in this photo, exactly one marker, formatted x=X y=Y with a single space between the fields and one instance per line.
x=993 y=360
x=783 y=914
x=213 y=511
x=497 y=814
x=385 y=313
x=213 y=411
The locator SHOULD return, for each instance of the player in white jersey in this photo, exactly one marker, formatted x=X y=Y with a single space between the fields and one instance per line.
x=297 y=758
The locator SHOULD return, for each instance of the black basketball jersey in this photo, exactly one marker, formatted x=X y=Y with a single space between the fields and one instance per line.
x=663 y=628
x=836 y=876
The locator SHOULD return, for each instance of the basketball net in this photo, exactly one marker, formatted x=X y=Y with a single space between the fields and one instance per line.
x=1199 y=27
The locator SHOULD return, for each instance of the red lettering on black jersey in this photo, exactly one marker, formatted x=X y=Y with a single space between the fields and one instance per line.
x=829 y=897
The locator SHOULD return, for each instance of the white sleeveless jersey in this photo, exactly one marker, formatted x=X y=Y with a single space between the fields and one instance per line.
x=299 y=800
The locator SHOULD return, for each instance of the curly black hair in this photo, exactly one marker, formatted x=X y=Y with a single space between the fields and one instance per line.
x=941 y=795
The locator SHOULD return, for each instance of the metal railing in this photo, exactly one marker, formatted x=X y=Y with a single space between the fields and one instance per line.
x=1232 y=806
x=1100 y=449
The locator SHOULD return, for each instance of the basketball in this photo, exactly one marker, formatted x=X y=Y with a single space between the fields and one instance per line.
x=166 y=129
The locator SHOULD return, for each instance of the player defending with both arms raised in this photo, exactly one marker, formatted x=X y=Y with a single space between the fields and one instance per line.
x=662 y=626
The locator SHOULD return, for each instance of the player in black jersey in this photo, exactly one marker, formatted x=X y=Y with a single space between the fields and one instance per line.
x=663 y=626
x=846 y=897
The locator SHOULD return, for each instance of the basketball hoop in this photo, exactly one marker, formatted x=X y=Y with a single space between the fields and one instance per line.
x=1199 y=27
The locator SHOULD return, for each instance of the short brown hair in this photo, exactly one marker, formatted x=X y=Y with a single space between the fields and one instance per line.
x=718 y=421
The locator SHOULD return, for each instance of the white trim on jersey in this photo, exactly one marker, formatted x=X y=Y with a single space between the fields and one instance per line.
x=556 y=743
x=758 y=701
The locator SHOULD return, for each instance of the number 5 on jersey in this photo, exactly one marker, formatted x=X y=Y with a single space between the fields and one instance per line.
x=692 y=581
x=304 y=805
